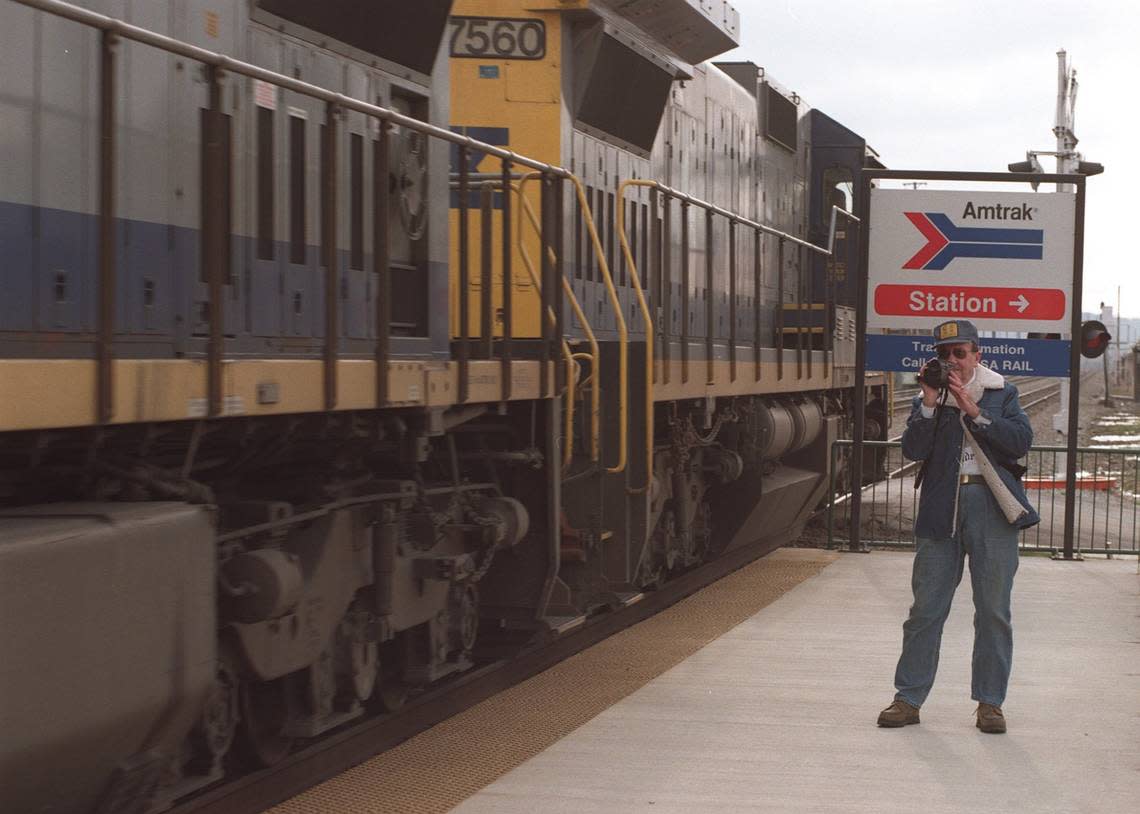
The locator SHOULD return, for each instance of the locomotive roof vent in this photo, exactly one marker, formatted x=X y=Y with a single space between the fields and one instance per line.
x=694 y=30
x=745 y=74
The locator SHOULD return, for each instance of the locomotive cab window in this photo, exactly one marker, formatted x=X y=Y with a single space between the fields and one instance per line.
x=838 y=190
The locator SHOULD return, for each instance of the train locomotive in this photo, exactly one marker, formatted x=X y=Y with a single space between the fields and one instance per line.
x=339 y=341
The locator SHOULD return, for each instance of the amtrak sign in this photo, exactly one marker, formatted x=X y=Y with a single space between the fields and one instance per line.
x=1003 y=260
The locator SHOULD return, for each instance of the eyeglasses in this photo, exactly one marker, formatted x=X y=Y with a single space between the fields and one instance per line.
x=959 y=353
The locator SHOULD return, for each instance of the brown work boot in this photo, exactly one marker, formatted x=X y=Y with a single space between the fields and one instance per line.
x=990 y=719
x=899 y=713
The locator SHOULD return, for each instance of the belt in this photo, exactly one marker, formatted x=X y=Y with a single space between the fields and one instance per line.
x=964 y=479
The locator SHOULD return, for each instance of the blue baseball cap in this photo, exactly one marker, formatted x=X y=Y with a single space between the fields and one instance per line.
x=956 y=330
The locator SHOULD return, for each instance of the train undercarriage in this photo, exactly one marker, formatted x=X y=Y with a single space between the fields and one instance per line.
x=311 y=570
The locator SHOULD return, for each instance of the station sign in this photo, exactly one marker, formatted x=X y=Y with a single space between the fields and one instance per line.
x=1009 y=357
x=1003 y=260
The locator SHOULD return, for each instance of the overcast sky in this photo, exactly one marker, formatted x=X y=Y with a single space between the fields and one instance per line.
x=971 y=85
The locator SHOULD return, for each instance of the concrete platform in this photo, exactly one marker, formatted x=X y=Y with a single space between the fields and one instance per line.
x=777 y=715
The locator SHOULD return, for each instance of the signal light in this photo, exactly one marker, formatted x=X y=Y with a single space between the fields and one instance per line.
x=1094 y=338
x=1089 y=168
x=1030 y=165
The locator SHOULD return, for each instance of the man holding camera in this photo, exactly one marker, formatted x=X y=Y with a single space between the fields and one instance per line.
x=968 y=430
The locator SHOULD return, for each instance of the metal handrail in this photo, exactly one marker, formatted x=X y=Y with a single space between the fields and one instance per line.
x=649 y=361
x=225 y=63
x=623 y=333
x=594 y=354
x=1128 y=476
x=635 y=278
x=751 y=224
x=217 y=64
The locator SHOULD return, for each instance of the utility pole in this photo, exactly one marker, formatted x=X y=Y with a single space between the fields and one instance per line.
x=1106 y=317
x=1067 y=159
x=1119 y=355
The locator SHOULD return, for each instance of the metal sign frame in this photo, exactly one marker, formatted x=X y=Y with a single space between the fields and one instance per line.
x=863 y=209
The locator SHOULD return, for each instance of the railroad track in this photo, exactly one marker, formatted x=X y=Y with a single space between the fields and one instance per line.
x=1032 y=397
x=903 y=398
x=356 y=743
x=1041 y=390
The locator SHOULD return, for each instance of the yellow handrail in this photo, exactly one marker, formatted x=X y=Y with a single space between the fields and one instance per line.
x=649 y=361
x=568 y=431
x=623 y=333
x=595 y=402
x=589 y=378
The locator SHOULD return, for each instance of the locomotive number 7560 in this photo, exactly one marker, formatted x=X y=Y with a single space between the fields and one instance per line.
x=497 y=38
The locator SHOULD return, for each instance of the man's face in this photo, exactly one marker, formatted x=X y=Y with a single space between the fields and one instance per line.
x=962 y=357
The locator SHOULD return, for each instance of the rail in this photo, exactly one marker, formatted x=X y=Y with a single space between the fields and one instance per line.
x=231 y=65
x=593 y=356
x=623 y=332
x=734 y=220
x=487 y=191
x=214 y=227
x=1106 y=505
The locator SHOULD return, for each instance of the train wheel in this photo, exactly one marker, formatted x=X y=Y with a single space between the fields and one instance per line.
x=390 y=691
x=393 y=695
x=321 y=686
x=357 y=658
x=363 y=664
x=213 y=734
x=465 y=617
x=653 y=578
x=266 y=709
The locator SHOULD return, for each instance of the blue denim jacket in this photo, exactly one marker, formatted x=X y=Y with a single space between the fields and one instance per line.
x=1004 y=439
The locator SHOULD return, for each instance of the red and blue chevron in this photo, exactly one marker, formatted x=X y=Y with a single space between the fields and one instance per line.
x=945 y=241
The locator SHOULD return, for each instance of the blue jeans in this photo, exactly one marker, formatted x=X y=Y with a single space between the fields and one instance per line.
x=991 y=542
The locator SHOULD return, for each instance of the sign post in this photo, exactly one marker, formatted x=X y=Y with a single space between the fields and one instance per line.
x=1006 y=261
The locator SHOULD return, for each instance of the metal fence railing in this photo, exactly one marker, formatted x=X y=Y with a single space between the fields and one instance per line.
x=1106 y=501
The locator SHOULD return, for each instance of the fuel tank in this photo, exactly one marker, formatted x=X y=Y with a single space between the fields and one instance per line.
x=107 y=629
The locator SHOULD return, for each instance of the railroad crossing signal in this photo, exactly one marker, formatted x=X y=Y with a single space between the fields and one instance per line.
x=1094 y=338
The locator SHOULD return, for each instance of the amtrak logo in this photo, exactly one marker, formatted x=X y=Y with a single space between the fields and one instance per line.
x=945 y=241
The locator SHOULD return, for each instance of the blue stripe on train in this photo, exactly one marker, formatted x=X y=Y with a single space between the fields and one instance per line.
x=49 y=266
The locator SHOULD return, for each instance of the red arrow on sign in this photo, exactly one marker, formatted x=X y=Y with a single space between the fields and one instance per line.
x=969 y=301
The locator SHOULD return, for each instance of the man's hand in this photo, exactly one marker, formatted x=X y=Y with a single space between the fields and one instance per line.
x=929 y=395
x=966 y=404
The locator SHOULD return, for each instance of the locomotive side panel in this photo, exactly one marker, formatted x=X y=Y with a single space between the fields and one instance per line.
x=274 y=285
